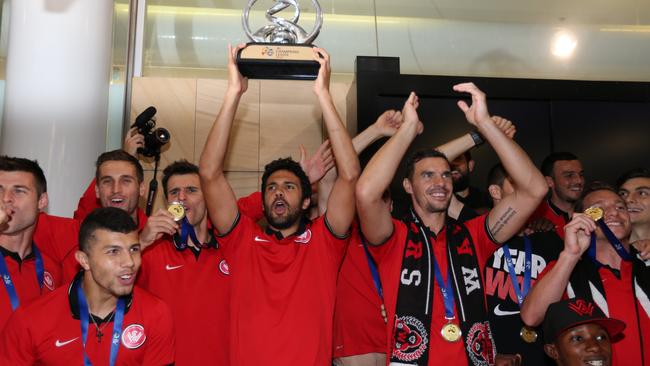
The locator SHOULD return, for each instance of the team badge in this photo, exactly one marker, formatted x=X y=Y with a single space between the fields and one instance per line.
x=411 y=339
x=223 y=267
x=48 y=280
x=480 y=344
x=303 y=238
x=133 y=336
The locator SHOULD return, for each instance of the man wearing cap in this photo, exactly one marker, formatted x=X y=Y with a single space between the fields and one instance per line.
x=578 y=333
x=599 y=265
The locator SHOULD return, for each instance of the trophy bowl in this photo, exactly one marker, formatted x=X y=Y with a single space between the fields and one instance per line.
x=281 y=49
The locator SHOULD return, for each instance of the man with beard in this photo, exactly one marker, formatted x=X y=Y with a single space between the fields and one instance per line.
x=184 y=266
x=101 y=318
x=565 y=178
x=578 y=333
x=634 y=188
x=470 y=196
x=431 y=266
x=284 y=276
x=598 y=264
x=26 y=271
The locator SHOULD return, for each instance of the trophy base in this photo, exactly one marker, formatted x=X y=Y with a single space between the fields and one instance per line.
x=278 y=61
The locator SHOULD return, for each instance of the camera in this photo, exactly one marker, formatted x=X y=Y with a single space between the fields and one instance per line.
x=154 y=138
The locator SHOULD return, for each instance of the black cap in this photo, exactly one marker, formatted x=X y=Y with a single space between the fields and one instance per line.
x=565 y=314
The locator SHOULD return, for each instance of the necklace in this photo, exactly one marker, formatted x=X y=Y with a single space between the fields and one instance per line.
x=98 y=328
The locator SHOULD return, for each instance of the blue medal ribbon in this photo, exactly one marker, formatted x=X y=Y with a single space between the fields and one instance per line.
x=373 y=271
x=117 y=325
x=187 y=230
x=528 y=250
x=9 y=284
x=613 y=241
x=446 y=289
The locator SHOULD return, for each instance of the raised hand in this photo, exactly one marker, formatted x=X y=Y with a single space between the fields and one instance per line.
x=236 y=82
x=158 y=224
x=477 y=112
x=505 y=125
x=133 y=141
x=388 y=122
x=577 y=234
x=322 y=83
x=4 y=216
x=410 y=113
x=317 y=165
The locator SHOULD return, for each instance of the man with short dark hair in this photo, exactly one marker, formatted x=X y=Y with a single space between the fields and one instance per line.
x=185 y=267
x=565 y=178
x=472 y=197
x=634 y=187
x=598 y=264
x=101 y=318
x=578 y=333
x=284 y=276
x=26 y=270
x=510 y=272
x=430 y=265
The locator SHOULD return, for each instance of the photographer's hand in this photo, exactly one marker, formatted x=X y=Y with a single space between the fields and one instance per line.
x=133 y=141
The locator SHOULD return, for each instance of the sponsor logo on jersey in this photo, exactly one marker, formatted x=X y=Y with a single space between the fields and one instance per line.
x=59 y=343
x=303 y=238
x=48 y=280
x=133 y=336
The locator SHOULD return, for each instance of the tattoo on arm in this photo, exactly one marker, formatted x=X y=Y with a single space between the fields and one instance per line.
x=503 y=220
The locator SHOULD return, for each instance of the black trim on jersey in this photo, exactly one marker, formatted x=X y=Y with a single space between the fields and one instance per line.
x=74 y=301
x=339 y=237
x=302 y=227
x=232 y=227
x=13 y=255
x=556 y=210
x=486 y=226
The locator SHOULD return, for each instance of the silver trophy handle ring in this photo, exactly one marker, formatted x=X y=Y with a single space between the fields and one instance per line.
x=282 y=30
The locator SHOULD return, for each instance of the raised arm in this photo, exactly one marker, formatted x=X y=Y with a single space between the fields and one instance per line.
x=509 y=215
x=374 y=215
x=550 y=288
x=340 y=204
x=219 y=196
x=456 y=147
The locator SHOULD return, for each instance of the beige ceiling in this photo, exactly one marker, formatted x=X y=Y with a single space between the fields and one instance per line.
x=578 y=12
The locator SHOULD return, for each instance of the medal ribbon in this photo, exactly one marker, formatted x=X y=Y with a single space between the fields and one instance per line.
x=446 y=289
x=187 y=230
x=9 y=284
x=117 y=325
x=613 y=241
x=373 y=270
x=528 y=249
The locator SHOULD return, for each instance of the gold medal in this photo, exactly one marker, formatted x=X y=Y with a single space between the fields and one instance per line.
x=451 y=332
x=177 y=210
x=529 y=335
x=596 y=213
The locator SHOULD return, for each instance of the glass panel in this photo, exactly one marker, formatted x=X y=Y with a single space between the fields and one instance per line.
x=4 y=35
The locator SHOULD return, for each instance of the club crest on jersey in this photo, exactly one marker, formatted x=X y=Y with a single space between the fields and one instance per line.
x=133 y=336
x=48 y=280
x=303 y=238
x=223 y=267
x=480 y=344
x=411 y=339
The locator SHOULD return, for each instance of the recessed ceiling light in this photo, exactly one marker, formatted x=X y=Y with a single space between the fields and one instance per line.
x=563 y=44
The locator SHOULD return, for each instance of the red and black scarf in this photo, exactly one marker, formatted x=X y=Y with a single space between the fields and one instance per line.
x=413 y=312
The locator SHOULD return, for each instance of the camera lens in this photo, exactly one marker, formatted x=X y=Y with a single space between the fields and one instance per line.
x=161 y=135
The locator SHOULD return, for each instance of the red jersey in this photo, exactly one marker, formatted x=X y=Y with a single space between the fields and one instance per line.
x=58 y=238
x=359 y=327
x=47 y=333
x=25 y=281
x=621 y=305
x=549 y=211
x=196 y=287
x=389 y=260
x=88 y=202
x=282 y=293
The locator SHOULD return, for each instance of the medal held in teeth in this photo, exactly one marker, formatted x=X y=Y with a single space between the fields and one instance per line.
x=596 y=213
x=529 y=335
x=177 y=210
x=451 y=332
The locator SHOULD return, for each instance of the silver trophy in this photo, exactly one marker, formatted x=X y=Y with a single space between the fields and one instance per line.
x=281 y=49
